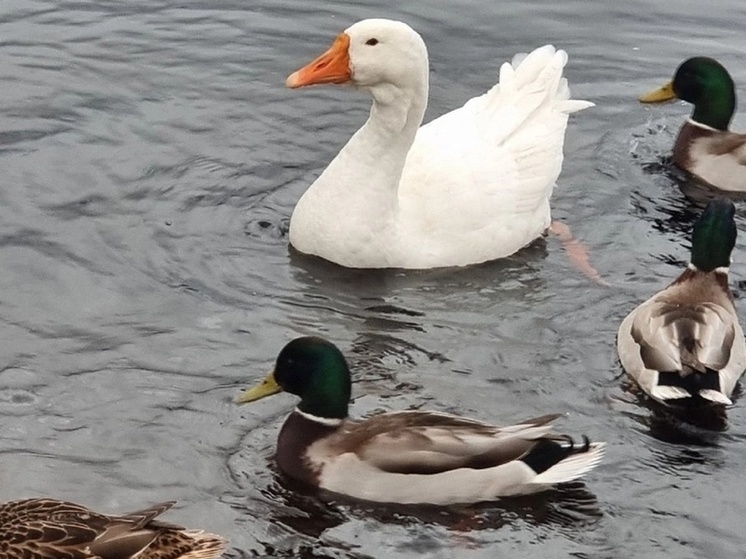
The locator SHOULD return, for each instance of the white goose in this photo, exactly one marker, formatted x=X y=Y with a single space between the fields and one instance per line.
x=471 y=186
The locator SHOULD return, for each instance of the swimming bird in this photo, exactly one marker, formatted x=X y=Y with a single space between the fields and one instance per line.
x=685 y=344
x=468 y=187
x=705 y=147
x=52 y=529
x=408 y=456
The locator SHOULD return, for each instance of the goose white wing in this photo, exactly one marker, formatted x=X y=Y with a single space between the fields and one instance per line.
x=479 y=178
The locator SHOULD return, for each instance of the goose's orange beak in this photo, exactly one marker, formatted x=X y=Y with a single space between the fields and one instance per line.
x=331 y=67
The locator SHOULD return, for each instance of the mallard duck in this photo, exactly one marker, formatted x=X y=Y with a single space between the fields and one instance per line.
x=408 y=456
x=52 y=529
x=471 y=186
x=705 y=147
x=684 y=344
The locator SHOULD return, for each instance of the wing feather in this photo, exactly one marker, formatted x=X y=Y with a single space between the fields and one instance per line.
x=423 y=442
x=493 y=162
x=675 y=333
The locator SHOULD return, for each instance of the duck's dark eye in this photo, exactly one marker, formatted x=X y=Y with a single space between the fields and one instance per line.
x=371 y=42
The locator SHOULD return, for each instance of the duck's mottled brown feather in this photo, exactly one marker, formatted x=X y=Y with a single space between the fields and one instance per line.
x=669 y=338
x=52 y=529
x=719 y=142
x=423 y=442
x=684 y=339
x=717 y=157
x=416 y=442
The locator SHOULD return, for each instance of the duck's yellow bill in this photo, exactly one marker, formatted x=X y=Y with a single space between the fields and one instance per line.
x=659 y=95
x=266 y=388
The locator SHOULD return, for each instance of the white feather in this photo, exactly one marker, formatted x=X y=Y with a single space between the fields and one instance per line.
x=461 y=485
x=470 y=186
x=715 y=396
x=664 y=392
x=572 y=467
x=372 y=471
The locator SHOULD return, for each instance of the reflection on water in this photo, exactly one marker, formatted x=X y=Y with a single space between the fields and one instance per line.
x=686 y=424
x=568 y=509
x=519 y=269
x=663 y=171
x=700 y=193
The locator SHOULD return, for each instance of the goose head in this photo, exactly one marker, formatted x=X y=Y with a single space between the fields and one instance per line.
x=372 y=54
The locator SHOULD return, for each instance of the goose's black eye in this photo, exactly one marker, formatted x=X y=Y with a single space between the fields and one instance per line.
x=371 y=42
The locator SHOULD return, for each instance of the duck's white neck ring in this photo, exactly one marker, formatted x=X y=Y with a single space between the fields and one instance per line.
x=700 y=125
x=720 y=270
x=331 y=422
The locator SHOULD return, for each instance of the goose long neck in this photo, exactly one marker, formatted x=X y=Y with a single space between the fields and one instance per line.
x=358 y=193
x=396 y=116
x=376 y=154
x=384 y=140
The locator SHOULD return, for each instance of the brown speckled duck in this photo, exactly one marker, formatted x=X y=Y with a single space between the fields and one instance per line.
x=409 y=456
x=705 y=147
x=684 y=344
x=52 y=529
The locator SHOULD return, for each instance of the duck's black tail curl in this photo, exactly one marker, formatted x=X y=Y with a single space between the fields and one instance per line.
x=549 y=452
